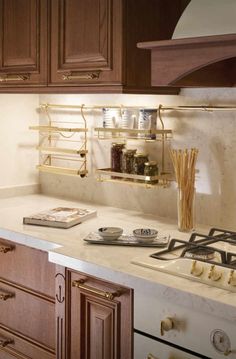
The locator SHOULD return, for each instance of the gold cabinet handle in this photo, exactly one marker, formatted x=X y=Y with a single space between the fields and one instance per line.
x=81 y=76
x=108 y=295
x=5 y=296
x=9 y=78
x=150 y=356
x=5 y=249
x=4 y=342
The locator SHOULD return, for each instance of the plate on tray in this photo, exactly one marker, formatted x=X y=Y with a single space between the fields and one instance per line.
x=128 y=240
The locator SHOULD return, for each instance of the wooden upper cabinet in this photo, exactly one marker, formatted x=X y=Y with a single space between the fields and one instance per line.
x=94 y=43
x=23 y=45
x=82 y=46
x=85 y=42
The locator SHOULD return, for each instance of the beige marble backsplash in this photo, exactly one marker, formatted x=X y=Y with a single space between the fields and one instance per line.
x=212 y=132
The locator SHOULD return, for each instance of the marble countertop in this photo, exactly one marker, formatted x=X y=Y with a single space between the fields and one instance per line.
x=113 y=263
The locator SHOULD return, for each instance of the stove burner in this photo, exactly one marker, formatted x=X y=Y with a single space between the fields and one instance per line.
x=201 y=253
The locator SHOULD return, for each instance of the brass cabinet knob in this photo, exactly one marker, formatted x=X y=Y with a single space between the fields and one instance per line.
x=166 y=325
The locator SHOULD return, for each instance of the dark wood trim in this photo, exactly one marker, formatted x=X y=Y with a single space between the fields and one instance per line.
x=173 y=60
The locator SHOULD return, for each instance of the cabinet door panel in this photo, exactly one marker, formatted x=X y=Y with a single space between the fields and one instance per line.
x=85 y=36
x=99 y=328
x=23 y=28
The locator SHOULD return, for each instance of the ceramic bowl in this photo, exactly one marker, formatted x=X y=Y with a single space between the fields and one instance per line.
x=145 y=234
x=110 y=233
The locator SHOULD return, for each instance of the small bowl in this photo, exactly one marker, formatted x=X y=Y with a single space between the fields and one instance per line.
x=110 y=233
x=146 y=235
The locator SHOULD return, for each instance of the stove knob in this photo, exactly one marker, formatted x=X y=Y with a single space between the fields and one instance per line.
x=166 y=325
x=232 y=278
x=197 y=269
x=214 y=274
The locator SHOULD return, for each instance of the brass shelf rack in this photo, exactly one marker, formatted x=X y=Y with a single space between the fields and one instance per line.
x=125 y=134
x=62 y=141
x=107 y=175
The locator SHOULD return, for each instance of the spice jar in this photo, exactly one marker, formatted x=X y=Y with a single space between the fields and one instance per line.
x=116 y=156
x=151 y=169
x=128 y=160
x=139 y=163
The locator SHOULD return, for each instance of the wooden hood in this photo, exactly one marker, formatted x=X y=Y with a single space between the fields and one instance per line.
x=207 y=61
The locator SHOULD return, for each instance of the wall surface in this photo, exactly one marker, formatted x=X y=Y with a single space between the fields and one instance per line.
x=212 y=132
x=17 y=144
x=206 y=17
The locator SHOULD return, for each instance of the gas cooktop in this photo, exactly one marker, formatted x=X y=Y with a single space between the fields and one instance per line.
x=209 y=259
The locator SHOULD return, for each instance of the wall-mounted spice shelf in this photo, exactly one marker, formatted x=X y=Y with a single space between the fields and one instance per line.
x=133 y=134
x=107 y=175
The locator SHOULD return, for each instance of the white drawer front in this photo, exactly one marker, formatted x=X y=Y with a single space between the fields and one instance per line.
x=146 y=348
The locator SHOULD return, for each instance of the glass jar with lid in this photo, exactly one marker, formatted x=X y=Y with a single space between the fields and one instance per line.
x=151 y=170
x=116 y=156
x=139 y=163
x=128 y=160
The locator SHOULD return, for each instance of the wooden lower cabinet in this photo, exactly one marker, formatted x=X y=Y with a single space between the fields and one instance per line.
x=99 y=319
x=13 y=346
x=27 y=303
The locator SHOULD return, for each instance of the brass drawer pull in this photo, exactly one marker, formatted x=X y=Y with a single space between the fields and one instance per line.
x=8 y=78
x=5 y=249
x=150 y=356
x=108 y=295
x=81 y=76
x=5 y=296
x=4 y=342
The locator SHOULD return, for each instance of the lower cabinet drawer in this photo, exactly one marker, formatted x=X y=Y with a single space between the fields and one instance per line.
x=27 y=266
x=146 y=348
x=13 y=347
x=29 y=314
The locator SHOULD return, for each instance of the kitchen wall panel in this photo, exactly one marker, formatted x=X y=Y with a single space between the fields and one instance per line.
x=212 y=132
x=17 y=144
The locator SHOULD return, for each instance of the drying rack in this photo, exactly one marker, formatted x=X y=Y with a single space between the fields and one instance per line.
x=62 y=142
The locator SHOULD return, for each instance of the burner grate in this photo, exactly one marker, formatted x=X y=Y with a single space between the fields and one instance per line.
x=201 y=247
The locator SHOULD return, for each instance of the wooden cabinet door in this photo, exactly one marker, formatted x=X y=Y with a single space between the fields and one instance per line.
x=85 y=42
x=99 y=327
x=23 y=45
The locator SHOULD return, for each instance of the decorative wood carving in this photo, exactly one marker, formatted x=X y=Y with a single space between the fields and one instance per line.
x=60 y=313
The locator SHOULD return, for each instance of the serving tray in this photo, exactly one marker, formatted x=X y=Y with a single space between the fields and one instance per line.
x=127 y=240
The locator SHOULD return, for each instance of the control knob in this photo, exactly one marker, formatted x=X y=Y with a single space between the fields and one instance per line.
x=214 y=274
x=197 y=269
x=232 y=278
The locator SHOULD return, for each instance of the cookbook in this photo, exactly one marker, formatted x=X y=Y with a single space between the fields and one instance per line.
x=60 y=217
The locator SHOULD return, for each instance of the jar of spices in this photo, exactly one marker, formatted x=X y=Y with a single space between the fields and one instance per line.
x=116 y=156
x=151 y=169
x=128 y=160
x=139 y=163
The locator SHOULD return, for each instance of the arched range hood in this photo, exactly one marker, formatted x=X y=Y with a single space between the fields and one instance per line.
x=202 y=51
